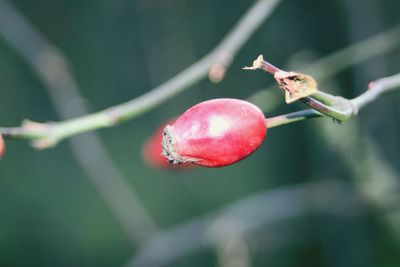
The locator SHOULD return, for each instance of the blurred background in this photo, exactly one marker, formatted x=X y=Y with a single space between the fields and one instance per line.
x=315 y=194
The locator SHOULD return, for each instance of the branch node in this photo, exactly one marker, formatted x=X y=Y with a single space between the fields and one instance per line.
x=216 y=73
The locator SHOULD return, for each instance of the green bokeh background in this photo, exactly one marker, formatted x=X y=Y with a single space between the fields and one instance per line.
x=51 y=215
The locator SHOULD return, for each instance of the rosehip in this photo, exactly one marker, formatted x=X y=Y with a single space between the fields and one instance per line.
x=152 y=151
x=2 y=146
x=215 y=133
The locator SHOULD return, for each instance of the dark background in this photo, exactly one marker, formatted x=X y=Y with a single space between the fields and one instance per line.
x=50 y=213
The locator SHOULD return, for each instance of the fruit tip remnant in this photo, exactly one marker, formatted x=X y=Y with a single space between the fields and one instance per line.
x=257 y=64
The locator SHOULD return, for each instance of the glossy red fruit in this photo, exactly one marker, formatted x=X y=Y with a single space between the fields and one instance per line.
x=2 y=146
x=152 y=151
x=215 y=133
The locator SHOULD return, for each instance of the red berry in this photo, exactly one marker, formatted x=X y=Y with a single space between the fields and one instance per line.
x=215 y=133
x=2 y=146
x=152 y=151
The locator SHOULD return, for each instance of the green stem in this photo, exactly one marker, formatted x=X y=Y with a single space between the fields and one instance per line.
x=342 y=110
x=376 y=89
x=292 y=117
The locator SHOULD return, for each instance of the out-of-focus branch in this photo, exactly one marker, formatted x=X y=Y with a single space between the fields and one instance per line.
x=248 y=215
x=356 y=53
x=377 y=88
x=52 y=68
x=47 y=135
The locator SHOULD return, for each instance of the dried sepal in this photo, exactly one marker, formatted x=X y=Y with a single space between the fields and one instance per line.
x=296 y=85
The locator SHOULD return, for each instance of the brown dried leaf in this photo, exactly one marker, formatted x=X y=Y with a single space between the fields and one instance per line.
x=296 y=85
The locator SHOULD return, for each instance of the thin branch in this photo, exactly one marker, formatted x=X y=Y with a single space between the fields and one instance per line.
x=292 y=117
x=376 y=89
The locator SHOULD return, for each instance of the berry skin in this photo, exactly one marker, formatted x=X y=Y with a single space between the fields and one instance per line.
x=2 y=146
x=215 y=133
x=152 y=151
